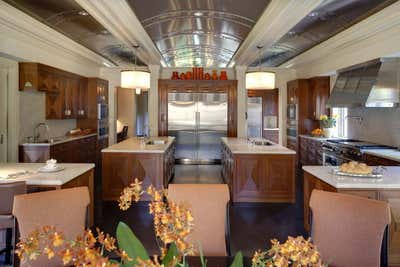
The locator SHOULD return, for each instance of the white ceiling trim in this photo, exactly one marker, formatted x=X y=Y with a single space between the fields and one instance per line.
x=375 y=36
x=119 y=19
x=278 y=18
x=17 y=21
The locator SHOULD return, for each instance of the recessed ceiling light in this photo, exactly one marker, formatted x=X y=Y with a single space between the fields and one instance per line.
x=291 y=33
x=106 y=64
x=104 y=32
x=313 y=14
x=83 y=13
x=198 y=14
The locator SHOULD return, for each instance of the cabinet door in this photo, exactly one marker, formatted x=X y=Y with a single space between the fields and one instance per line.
x=48 y=82
x=82 y=99
x=70 y=96
x=55 y=104
x=319 y=96
x=292 y=90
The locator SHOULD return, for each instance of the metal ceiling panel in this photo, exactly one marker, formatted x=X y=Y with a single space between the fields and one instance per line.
x=70 y=19
x=328 y=19
x=198 y=33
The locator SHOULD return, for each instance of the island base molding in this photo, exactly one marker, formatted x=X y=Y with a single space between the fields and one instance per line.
x=311 y=182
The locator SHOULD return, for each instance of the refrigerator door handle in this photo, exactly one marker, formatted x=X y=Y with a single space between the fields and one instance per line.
x=197 y=120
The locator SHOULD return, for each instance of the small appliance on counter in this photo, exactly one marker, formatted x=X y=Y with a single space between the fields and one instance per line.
x=51 y=166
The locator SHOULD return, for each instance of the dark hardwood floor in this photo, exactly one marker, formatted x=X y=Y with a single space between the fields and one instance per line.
x=252 y=225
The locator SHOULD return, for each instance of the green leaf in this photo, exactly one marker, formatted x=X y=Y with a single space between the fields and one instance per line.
x=128 y=242
x=171 y=253
x=238 y=260
x=202 y=259
x=116 y=262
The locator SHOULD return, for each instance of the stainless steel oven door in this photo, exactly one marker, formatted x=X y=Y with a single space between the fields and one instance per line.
x=332 y=159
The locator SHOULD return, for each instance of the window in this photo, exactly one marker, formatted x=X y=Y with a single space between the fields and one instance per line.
x=341 y=122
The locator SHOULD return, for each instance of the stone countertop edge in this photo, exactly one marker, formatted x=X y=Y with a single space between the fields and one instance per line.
x=67 y=139
x=241 y=147
x=390 y=179
x=132 y=145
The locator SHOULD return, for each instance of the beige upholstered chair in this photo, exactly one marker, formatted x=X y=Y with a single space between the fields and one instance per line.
x=7 y=220
x=349 y=231
x=209 y=204
x=65 y=209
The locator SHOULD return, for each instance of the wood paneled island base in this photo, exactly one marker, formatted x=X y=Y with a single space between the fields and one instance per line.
x=125 y=161
x=258 y=173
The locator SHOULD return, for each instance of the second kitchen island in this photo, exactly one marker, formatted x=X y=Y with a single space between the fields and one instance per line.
x=258 y=173
x=150 y=160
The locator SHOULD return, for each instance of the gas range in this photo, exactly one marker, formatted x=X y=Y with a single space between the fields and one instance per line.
x=339 y=151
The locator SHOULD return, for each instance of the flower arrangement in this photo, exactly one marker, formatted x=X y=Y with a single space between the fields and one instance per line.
x=173 y=222
x=296 y=252
x=327 y=121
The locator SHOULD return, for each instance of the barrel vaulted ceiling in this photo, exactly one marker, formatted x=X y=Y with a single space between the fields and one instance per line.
x=209 y=33
x=198 y=33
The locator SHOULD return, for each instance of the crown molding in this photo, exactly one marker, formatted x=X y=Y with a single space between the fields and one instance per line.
x=373 y=37
x=278 y=18
x=119 y=19
x=17 y=24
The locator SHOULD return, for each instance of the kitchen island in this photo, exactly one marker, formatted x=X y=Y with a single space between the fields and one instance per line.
x=258 y=173
x=73 y=175
x=149 y=160
x=388 y=187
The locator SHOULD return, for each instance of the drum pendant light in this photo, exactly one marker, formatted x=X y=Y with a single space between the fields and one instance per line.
x=260 y=79
x=135 y=79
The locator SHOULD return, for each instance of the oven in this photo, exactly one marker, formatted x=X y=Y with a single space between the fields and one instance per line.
x=102 y=111
x=332 y=159
x=291 y=131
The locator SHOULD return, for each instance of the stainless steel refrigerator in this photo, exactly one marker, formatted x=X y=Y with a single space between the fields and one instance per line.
x=198 y=121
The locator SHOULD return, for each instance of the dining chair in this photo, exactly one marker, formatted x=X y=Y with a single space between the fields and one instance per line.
x=66 y=209
x=349 y=231
x=209 y=204
x=7 y=221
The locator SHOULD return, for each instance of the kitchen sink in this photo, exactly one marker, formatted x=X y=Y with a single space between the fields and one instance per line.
x=155 y=142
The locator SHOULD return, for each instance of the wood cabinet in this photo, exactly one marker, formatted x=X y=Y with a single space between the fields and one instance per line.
x=320 y=89
x=259 y=177
x=270 y=107
x=372 y=160
x=66 y=93
x=75 y=151
x=310 y=97
x=166 y=86
x=310 y=152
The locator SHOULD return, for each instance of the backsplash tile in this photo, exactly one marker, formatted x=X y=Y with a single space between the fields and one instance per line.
x=33 y=111
x=379 y=125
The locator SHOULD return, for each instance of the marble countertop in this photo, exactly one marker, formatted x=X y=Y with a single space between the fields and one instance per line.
x=29 y=172
x=241 y=146
x=60 y=140
x=134 y=145
x=392 y=154
x=390 y=179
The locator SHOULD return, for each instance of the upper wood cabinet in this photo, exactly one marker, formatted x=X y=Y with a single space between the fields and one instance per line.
x=319 y=96
x=35 y=76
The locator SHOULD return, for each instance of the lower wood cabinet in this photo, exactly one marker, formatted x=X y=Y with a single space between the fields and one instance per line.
x=259 y=177
x=378 y=161
x=75 y=151
x=310 y=151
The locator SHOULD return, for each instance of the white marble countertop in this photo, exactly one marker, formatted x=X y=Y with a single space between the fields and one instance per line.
x=29 y=173
x=392 y=154
x=241 y=146
x=60 y=140
x=390 y=179
x=134 y=145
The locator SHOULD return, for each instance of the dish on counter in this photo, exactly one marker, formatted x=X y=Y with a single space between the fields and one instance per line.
x=45 y=169
x=361 y=170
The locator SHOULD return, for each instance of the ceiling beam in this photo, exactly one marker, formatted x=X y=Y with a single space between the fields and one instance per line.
x=278 y=18
x=119 y=19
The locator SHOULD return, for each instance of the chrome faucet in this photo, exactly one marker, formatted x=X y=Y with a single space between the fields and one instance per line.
x=36 y=133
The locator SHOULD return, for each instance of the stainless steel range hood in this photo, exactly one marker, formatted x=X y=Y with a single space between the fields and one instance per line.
x=371 y=84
